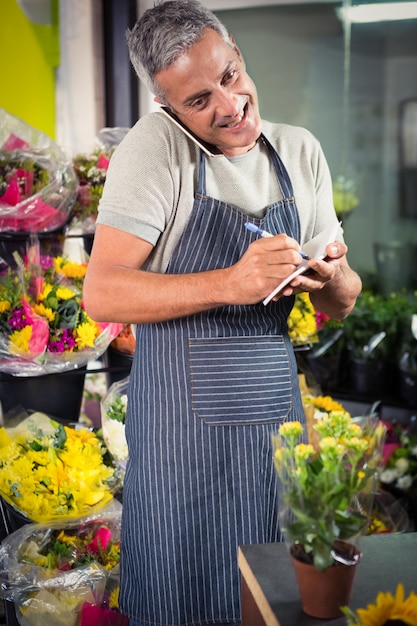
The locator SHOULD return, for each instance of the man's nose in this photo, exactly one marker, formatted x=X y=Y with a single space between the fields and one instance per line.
x=228 y=105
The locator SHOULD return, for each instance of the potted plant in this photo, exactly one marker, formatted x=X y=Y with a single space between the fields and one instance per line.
x=326 y=500
x=372 y=335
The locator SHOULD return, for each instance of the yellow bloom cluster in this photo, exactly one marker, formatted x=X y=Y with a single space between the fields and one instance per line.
x=323 y=403
x=50 y=471
x=69 y=268
x=302 y=323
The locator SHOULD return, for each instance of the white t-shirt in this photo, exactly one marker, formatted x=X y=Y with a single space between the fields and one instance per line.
x=152 y=179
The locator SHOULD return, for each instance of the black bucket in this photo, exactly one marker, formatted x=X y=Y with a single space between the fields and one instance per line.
x=58 y=395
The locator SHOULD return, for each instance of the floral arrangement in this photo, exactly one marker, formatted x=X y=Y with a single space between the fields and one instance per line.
x=91 y=171
x=327 y=483
x=400 y=469
x=43 y=325
x=50 y=471
x=37 y=180
x=388 y=609
x=302 y=321
x=69 y=548
x=113 y=415
x=61 y=572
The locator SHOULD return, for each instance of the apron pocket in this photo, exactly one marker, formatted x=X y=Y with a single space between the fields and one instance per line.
x=240 y=380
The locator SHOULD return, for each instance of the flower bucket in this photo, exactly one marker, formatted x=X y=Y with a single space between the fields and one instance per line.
x=59 y=395
x=368 y=377
x=322 y=593
x=118 y=365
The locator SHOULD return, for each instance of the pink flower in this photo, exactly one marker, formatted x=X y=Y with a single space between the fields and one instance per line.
x=13 y=142
x=12 y=194
x=101 y=540
x=103 y=162
x=40 y=330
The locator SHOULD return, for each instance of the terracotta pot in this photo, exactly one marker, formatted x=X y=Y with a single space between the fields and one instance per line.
x=323 y=593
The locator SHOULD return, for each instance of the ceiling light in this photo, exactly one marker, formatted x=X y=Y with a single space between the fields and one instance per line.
x=383 y=12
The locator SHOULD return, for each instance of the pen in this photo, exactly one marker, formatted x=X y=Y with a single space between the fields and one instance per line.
x=263 y=233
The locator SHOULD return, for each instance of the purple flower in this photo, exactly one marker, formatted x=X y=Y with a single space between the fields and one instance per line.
x=62 y=340
x=17 y=319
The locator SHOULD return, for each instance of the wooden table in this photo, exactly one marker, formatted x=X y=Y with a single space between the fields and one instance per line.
x=269 y=590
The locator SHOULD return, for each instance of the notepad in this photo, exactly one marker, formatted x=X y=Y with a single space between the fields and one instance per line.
x=315 y=249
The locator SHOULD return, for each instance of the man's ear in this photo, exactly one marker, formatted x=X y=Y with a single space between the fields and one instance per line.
x=158 y=100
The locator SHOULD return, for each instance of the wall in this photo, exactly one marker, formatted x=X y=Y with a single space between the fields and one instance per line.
x=296 y=56
x=30 y=55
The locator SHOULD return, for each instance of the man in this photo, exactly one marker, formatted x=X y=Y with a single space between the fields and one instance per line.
x=214 y=373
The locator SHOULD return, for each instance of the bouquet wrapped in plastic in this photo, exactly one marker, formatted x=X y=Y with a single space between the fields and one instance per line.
x=91 y=172
x=62 y=572
x=113 y=414
x=44 y=328
x=38 y=185
x=52 y=472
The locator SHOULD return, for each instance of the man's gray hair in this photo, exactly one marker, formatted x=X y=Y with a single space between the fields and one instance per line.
x=166 y=31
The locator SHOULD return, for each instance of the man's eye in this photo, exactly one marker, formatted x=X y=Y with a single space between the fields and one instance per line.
x=199 y=103
x=229 y=76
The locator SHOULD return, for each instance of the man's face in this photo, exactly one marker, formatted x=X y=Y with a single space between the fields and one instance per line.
x=211 y=93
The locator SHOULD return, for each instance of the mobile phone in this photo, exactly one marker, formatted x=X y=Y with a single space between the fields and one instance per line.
x=208 y=148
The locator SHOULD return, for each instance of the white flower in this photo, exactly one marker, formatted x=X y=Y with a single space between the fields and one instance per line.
x=413 y=451
x=115 y=438
x=388 y=476
x=404 y=482
x=401 y=466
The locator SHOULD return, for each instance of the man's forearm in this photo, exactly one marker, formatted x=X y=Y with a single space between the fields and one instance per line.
x=338 y=297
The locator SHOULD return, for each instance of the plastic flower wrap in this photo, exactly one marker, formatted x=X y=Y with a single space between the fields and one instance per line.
x=52 y=571
x=38 y=184
x=44 y=328
x=388 y=609
x=113 y=414
x=91 y=172
x=327 y=481
x=50 y=471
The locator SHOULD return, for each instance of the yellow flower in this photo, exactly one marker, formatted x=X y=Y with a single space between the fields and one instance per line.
x=54 y=476
x=4 y=306
x=64 y=293
x=20 y=339
x=114 y=598
x=47 y=288
x=324 y=403
x=387 y=608
x=302 y=323
x=44 y=311
x=69 y=268
x=86 y=334
x=303 y=451
x=5 y=439
x=291 y=429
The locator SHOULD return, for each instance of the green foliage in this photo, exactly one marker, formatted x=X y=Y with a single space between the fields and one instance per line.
x=375 y=313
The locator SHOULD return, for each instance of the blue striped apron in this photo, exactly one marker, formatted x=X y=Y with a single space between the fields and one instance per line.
x=206 y=392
